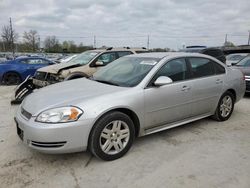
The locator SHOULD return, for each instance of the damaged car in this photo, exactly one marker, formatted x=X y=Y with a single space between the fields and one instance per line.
x=84 y=65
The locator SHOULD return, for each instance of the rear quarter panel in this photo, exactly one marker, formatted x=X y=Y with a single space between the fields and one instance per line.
x=235 y=80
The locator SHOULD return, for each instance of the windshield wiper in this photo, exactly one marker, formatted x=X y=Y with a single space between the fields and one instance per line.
x=106 y=82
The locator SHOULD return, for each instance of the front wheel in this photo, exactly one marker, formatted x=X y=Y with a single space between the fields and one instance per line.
x=225 y=107
x=112 y=136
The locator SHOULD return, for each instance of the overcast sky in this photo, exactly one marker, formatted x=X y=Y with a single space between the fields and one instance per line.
x=169 y=23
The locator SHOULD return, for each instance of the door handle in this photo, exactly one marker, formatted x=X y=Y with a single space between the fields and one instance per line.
x=218 y=81
x=185 y=88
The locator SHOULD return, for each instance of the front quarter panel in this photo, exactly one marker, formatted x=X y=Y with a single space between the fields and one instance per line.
x=132 y=100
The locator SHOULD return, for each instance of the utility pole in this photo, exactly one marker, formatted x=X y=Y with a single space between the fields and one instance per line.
x=39 y=44
x=248 y=38
x=225 y=40
x=148 y=43
x=94 y=41
x=12 y=39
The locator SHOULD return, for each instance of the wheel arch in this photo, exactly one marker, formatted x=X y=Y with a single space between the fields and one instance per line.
x=75 y=75
x=233 y=92
x=130 y=113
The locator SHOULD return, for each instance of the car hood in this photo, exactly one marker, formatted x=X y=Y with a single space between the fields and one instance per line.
x=66 y=93
x=58 y=67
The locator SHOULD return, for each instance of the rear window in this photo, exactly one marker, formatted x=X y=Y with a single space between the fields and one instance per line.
x=123 y=53
x=142 y=51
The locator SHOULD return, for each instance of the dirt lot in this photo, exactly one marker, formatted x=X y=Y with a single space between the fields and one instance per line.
x=200 y=154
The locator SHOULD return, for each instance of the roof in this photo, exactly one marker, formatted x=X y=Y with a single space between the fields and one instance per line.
x=119 y=49
x=170 y=54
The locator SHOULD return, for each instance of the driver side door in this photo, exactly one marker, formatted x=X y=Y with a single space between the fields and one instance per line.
x=172 y=102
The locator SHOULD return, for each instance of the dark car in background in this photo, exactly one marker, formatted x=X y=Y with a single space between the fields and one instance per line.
x=212 y=51
x=244 y=66
x=15 y=71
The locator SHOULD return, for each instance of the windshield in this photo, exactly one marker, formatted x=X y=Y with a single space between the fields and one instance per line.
x=84 y=58
x=244 y=62
x=126 y=71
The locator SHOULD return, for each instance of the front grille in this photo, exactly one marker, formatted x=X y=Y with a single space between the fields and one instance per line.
x=52 y=78
x=25 y=113
x=40 y=75
x=48 y=144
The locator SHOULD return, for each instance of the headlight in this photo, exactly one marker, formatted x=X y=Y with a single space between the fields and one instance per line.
x=60 y=115
x=65 y=73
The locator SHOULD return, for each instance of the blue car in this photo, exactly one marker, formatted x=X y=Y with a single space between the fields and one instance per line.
x=15 y=71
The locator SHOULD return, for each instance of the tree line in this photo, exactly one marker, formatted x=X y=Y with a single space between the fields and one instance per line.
x=31 y=43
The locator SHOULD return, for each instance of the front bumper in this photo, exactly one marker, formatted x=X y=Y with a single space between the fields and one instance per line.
x=53 y=138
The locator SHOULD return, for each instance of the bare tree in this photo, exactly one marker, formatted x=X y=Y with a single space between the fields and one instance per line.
x=228 y=44
x=51 y=44
x=6 y=37
x=31 y=40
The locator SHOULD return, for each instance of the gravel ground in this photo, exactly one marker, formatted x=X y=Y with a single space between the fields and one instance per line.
x=204 y=154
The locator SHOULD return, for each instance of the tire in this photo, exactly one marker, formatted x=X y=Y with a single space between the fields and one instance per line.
x=109 y=142
x=225 y=107
x=11 y=78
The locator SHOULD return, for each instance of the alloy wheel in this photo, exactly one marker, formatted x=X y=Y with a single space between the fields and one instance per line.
x=226 y=106
x=114 y=137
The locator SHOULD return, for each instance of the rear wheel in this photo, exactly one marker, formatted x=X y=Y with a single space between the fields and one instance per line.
x=112 y=136
x=11 y=78
x=225 y=107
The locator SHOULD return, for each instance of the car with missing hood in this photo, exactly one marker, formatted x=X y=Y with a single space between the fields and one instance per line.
x=135 y=95
x=84 y=65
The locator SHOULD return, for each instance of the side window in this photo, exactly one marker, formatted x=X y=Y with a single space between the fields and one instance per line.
x=24 y=61
x=123 y=53
x=201 y=67
x=43 y=61
x=106 y=58
x=31 y=61
x=175 y=69
x=218 y=68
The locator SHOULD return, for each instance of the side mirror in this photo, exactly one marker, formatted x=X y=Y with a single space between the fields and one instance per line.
x=163 y=80
x=99 y=63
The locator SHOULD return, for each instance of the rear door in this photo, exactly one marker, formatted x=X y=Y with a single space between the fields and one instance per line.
x=172 y=102
x=207 y=77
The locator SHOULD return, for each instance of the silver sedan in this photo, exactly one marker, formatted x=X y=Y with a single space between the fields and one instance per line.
x=134 y=96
